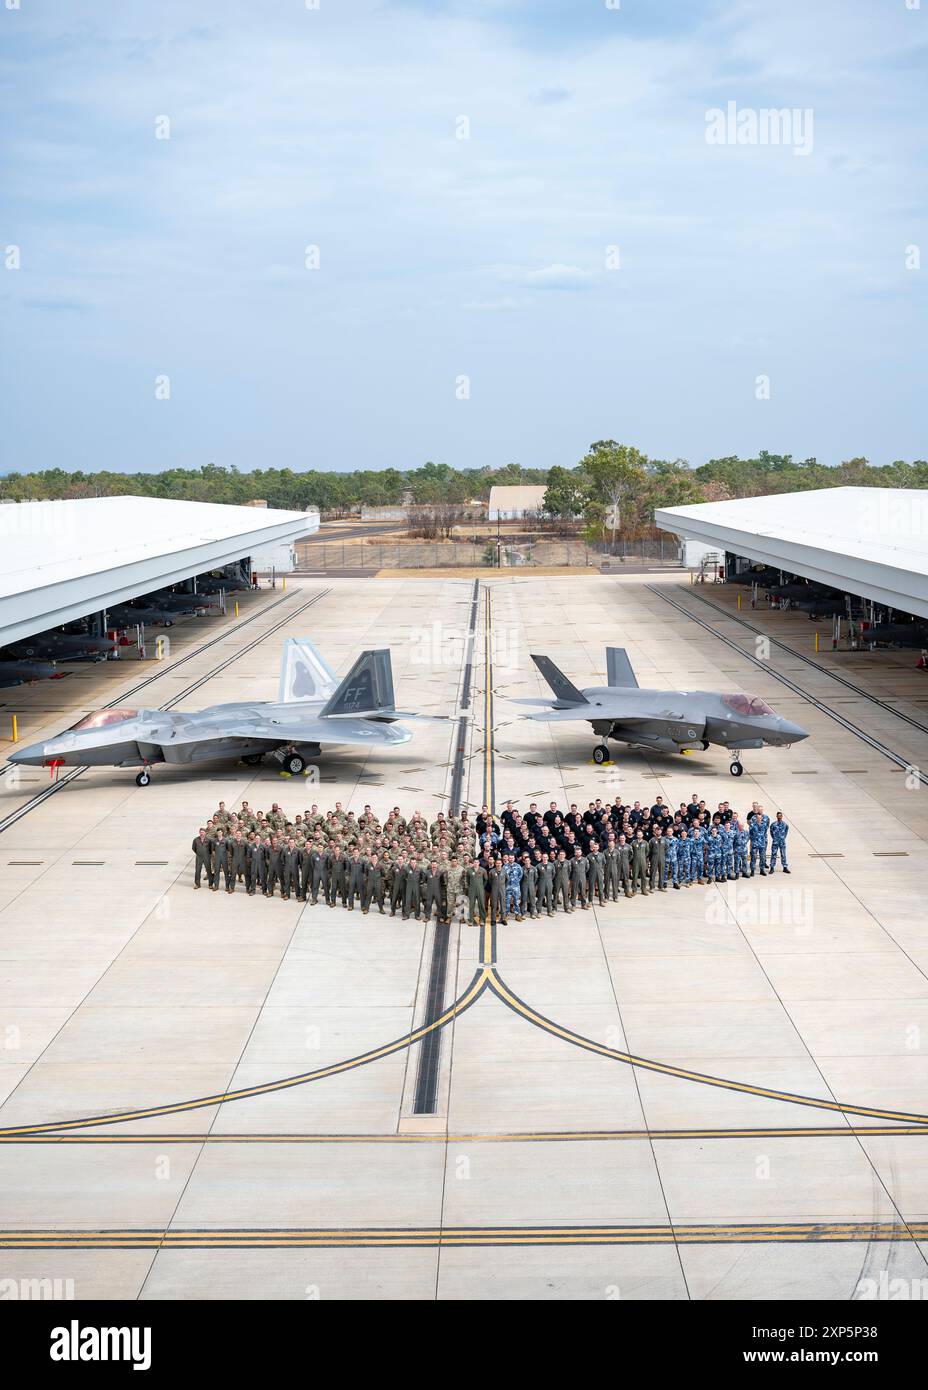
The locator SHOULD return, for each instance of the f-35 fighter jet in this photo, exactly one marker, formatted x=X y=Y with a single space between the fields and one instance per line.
x=312 y=710
x=668 y=721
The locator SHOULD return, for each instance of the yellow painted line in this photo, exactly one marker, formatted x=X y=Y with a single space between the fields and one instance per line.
x=502 y=991
x=475 y=988
x=488 y=705
x=555 y=1136
x=486 y=930
x=690 y=1234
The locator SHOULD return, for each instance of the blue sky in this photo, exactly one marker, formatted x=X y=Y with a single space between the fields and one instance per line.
x=442 y=258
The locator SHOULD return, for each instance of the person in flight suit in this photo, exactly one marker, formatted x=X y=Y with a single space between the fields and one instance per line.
x=657 y=861
x=251 y=846
x=373 y=886
x=336 y=877
x=496 y=882
x=314 y=870
x=216 y=836
x=203 y=858
x=562 y=882
x=578 y=879
x=434 y=891
x=623 y=852
x=274 y=867
x=237 y=854
x=611 y=859
x=259 y=861
x=637 y=851
x=529 y=901
x=289 y=868
x=301 y=875
x=596 y=861
x=223 y=860
x=355 y=879
x=640 y=864
x=778 y=833
x=398 y=888
x=546 y=885
x=477 y=893
x=412 y=891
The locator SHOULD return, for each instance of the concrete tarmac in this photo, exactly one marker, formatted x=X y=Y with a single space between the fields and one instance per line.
x=717 y=1093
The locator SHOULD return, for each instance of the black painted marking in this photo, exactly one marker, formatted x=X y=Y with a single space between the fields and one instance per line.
x=426 y=1098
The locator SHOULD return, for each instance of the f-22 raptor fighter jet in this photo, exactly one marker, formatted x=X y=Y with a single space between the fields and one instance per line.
x=668 y=721
x=312 y=709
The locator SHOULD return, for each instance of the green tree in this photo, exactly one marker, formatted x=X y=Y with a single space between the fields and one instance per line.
x=566 y=495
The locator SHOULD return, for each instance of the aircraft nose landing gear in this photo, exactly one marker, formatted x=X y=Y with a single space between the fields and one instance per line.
x=143 y=779
x=601 y=753
x=736 y=768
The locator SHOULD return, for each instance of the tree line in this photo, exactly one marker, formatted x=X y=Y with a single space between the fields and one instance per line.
x=613 y=486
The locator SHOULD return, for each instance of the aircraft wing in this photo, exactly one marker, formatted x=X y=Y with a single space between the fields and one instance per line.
x=296 y=730
x=608 y=710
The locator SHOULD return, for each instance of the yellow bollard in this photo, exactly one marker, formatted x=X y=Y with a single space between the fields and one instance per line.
x=816 y=641
x=15 y=730
x=739 y=603
x=236 y=607
x=285 y=586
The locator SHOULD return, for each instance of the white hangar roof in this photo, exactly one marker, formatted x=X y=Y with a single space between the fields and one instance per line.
x=861 y=540
x=62 y=560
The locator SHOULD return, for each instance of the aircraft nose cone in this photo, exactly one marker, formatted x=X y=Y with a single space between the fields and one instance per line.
x=793 y=733
x=33 y=756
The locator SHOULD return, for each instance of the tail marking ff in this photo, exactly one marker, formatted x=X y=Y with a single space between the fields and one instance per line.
x=367 y=688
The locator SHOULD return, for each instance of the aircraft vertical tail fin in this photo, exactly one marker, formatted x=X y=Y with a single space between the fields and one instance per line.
x=304 y=673
x=619 y=668
x=564 y=689
x=367 y=689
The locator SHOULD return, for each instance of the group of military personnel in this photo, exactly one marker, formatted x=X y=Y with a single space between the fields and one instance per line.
x=511 y=865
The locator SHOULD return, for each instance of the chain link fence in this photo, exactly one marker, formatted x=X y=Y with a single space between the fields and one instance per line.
x=485 y=553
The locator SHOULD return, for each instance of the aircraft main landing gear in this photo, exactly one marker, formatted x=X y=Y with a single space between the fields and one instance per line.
x=143 y=779
x=294 y=764
x=601 y=753
x=252 y=759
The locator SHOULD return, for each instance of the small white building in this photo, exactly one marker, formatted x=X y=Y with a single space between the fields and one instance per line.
x=514 y=503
